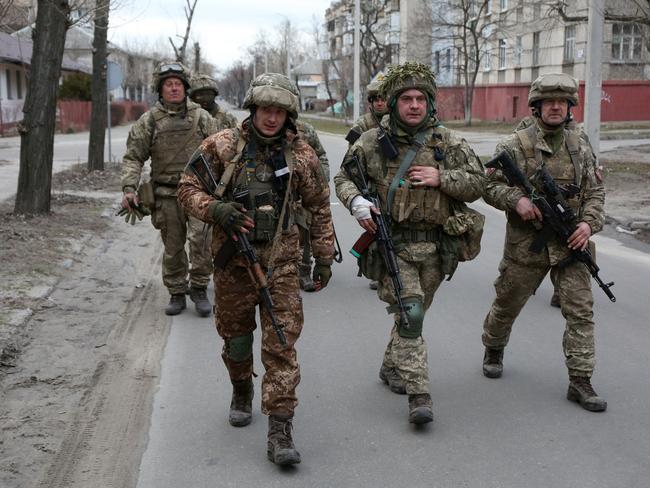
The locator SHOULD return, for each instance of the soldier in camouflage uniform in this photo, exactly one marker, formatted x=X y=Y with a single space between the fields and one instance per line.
x=565 y=152
x=168 y=134
x=260 y=159
x=434 y=173
x=204 y=91
x=376 y=110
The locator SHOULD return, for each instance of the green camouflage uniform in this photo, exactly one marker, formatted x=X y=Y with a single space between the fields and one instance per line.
x=236 y=296
x=417 y=216
x=224 y=119
x=169 y=135
x=521 y=271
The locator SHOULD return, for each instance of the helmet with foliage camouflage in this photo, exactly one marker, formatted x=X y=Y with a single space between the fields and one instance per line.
x=170 y=69
x=374 y=87
x=273 y=89
x=406 y=76
x=553 y=85
x=203 y=82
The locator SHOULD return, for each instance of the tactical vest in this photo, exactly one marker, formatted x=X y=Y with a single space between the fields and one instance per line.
x=416 y=207
x=175 y=139
x=565 y=166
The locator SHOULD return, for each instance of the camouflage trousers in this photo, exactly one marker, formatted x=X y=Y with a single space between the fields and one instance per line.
x=419 y=265
x=175 y=229
x=517 y=282
x=236 y=298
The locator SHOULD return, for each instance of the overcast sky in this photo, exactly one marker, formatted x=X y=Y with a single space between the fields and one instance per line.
x=223 y=28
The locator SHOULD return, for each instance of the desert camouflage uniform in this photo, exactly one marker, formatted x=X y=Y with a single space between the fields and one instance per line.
x=521 y=271
x=159 y=134
x=236 y=296
x=461 y=175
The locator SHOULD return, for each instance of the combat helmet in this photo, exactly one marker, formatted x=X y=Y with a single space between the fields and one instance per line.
x=170 y=69
x=553 y=85
x=273 y=89
x=373 y=89
x=402 y=77
x=203 y=82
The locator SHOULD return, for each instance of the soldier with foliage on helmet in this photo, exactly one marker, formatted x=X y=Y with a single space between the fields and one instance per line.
x=267 y=166
x=168 y=134
x=421 y=186
x=204 y=91
x=554 y=143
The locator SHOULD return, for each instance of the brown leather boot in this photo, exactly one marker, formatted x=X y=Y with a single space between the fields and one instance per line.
x=280 y=449
x=420 y=408
x=581 y=391
x=493 y=363
x=392 y=378
x=241 y=406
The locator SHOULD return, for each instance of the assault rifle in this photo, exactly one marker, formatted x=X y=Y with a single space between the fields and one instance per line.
x=382 y=236
x=559 y=218
x=240 y=243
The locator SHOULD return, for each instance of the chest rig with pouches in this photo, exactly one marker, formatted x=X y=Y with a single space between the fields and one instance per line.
x=261 y=185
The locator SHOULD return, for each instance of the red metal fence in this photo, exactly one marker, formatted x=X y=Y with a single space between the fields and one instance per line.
x=74 y=116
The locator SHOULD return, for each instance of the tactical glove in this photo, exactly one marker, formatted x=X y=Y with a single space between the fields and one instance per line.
x=322 y=273
x=135 y=212
x=230 y=216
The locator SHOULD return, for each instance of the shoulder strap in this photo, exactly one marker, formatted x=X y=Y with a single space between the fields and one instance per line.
x=572 y=141
x=229 y=170
x=151 y=122
x=528 y=138
x=418 y=142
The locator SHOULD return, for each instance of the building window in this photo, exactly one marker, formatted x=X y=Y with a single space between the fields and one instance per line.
x=487 y=62
x=519 y=48
x=519 y=14
x=9 y=94
x=627 y=42
x=503 y=5
x=569 y=43
x=437 y=65
x=535 y=60
x=537 y=11
x=488 y=7
x=448 y=59
x=502 y=53
x=19 y=86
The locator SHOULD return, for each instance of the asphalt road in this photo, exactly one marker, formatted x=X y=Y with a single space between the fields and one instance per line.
x=353 y=432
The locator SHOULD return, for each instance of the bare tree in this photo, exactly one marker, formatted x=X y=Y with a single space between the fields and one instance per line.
x=37 y=127
x=372 y=40
x=634 y=11
x=99 y=114
x=179 y=51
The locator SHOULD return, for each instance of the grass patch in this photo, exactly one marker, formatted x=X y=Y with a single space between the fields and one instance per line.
x=326 y=125
x=642 y=169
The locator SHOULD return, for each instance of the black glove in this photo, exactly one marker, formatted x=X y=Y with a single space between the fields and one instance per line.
x=322 y=273
x=230 y=216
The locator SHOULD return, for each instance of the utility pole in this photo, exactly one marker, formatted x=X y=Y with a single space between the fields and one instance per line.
x=357 y=58
x=593 y=74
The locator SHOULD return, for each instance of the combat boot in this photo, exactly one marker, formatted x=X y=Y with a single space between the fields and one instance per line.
x=493 y=363
x=176 y=304
x=305 y=279
x=201 y=302
x=391 y=377
x=241 y=406
x=555 y=299
x=373 y=284
x=420 y=408
x=581 y=391
x=280 y=449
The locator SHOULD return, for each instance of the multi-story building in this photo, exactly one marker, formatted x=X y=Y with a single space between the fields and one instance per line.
x=523 y=39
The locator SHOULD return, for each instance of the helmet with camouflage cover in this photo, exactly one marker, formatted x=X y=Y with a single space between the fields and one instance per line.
x=408 y=76
x=203 y=82
x=553 y=85
x=170 y=69
x=374 y=87
x=273 y=89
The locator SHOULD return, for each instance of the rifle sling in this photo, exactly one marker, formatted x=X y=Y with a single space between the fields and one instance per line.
x=418 y=142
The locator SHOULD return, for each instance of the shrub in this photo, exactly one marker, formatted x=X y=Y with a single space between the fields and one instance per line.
x=117 y=113
x=76 y=87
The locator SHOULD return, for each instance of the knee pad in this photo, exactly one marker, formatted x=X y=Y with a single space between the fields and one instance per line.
x=240 y=348
x=415 y=316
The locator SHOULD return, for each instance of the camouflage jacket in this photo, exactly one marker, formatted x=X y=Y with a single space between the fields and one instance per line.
x=225 y=120
x=588 y=203
x=307 y=183
x=461 y=176
x=365 y=122
x=308 y=133
x=144 y=141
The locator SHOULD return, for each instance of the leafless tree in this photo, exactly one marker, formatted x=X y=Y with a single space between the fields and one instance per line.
x=634 y=11
x=98 y=119
x=179 y=51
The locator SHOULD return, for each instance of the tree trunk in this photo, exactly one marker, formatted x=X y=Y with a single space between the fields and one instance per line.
x=39 y=121
x=99 y=90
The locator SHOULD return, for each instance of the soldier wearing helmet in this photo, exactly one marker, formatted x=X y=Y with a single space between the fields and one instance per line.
x=168 y=134
x=265 y=165
x=552 y=142
x=421 y=186
x=376 y=110
x=204 y=91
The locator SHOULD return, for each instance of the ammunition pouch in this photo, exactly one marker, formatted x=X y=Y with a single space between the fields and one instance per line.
x=460 y=239
x=371 y=263
x=146 y=196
